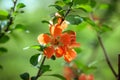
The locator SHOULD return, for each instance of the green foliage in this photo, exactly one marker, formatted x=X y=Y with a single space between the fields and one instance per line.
x=44 y=21
x=92 y=3
x=1 y=67
x=25 y=76
x=57 y=7
x=105 y=28
x=45 y=68
x=3 y=50
x=78 y=50
x=53 y=57
x=3 y=15
x=33 y=78
x=78 y=2
x=20 y=5
x=74 y=19
x=20 y=27
x=34 y=59
x=4 y=39
x=58 y=76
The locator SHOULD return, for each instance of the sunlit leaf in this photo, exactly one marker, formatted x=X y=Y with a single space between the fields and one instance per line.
x=4 y=39
x=20 y=5
x=58 y=76
x=34 y=59
x=86 y=8
x=25 y=76
x=45 y=68
x=74 y=19
x=3 y=14
x=56 y=6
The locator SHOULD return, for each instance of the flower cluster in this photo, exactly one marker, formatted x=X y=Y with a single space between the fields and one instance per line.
x=59 y=42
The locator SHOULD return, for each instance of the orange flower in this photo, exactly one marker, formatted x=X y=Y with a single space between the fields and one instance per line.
x=60 y=43
x=86 y=77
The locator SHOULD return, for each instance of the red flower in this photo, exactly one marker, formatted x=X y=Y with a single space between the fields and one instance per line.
x=86 y=77
x=60 y=43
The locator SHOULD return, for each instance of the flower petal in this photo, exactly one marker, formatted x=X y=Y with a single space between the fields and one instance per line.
x=82 y=77
x=44 y=39
x=70 y=55
x=59 y=51
x=49 y=51
x=65 y=39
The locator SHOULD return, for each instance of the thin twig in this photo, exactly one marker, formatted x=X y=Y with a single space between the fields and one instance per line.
x=118 y=66
x=40 y=69
x=106 y=56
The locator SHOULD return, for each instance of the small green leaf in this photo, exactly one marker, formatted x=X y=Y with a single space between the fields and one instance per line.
x=74 y=19
x=20 y=27
x=58 y=76
x=86 y=8
x=1 y=67
x=3 y=50
x=34 y=59
x=25 y=76
x=60 y=3
x=78 y=50
x=44 y=21
x=78 y=2
x=20 y=5
x=57 y=7
x=66 y=1
x=45 y=68
x=53 y=57
x=3 y=14
x=104 y=6
x=105 y=28
x=4 y=39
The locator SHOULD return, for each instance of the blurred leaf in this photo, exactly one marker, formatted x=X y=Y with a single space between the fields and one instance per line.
x=66 y=1
x=78 y=2
x=86 y=8
x=57 y=7
x=20 y=5
x=34 y=59
x=44 y=21
x=20 y=27
x=25 y=76
x=53 y=57
x=74 y=19
x=1 y=67
x=92 y=23
x=104 y=6
x=3 y=14
x=2 y=50
x=4 y=39
x=45 y=68
x=105 y=28
x=92 y=3
x=60 y=3
x=78 y=50
x=58 y=76
x=33 y=78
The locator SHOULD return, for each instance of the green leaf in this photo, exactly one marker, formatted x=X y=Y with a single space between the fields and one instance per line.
x=4 y=39
x=60 y=3
x=78 y=2
x=86 y=8
x=1 y=67
x=33 y=78
x=53 y=57
x=44 y=21
x=45 y=68
x=3 y=15
x=57 y=7
x=92 y=23
x=20 y=27
x=66 y=1
x=78 y=50
x=34 y=59
x=92 y=3
x=25 y=76
x=20 y=5
x=58 y=76
x=74 y=19
x=105 y=28
x=3 y=50
x=103 y=6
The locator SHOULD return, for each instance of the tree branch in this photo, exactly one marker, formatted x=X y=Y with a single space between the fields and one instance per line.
x=106 y=56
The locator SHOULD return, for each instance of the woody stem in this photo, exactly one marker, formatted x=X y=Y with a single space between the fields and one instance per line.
x=40 y=69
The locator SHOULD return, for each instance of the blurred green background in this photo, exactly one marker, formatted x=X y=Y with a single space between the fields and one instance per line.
x=16 y=60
